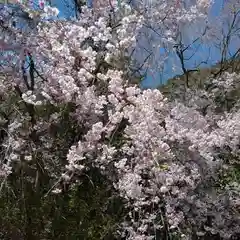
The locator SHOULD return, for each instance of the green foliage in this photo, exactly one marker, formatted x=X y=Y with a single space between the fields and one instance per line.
x=229 y=178
x=89 y=210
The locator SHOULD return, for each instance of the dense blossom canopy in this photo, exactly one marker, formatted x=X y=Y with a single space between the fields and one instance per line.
x=162 y=156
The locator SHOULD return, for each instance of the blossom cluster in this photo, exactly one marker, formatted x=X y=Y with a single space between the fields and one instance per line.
x=160 y=155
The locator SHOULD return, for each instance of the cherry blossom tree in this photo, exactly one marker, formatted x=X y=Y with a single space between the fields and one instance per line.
x=68 y=107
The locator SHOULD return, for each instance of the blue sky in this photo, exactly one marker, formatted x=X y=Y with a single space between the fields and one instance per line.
x=205 y=52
